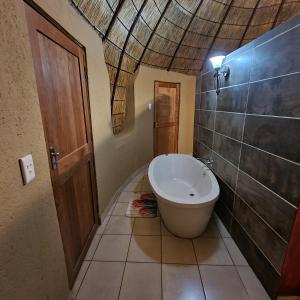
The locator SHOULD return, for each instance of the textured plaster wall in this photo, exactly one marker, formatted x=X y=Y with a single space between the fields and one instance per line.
x=31 y=255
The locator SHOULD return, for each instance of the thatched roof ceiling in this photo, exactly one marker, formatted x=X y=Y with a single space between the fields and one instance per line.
x=177 y=35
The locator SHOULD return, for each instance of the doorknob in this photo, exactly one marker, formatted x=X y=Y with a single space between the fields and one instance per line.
x=53 y=157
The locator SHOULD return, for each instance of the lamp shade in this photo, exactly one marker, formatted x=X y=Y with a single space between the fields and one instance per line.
x=217 y=61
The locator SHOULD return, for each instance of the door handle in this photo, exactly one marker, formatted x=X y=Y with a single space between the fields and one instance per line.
x=53 y=157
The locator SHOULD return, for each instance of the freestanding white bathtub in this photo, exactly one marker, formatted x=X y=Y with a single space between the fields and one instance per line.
x=186 y=191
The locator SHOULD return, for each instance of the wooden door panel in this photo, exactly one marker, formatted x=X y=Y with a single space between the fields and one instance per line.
x=166 y=105
x=165 y=139
x=59 y=64
x=64 y=101
x=75 y=215
x=166 y=117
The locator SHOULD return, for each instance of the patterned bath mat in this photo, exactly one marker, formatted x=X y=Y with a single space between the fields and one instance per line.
x=143 y=207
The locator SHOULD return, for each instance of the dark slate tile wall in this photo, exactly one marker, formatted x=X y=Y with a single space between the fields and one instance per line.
x=252 y=132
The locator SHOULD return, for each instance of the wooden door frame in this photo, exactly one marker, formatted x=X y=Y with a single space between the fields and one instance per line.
x=178 y=84
x=97 y=220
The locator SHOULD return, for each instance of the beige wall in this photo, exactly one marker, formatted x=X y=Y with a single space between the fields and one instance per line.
x=144 y=94
x=31 y=255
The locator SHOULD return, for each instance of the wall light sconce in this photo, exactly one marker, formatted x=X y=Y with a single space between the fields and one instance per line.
x=219 y=70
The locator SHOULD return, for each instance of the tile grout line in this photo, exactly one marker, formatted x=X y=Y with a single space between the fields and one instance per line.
x=253 y=81
x=198 y=268
x=260 y=250
x=252 y=209
x=246 y=172
x=171 y=263
x=91 y=260
x=241 y=146
x=231 y=257
x=246 y=144
x=80 y=285
x=125 y=263
x=237 y=194
x=161 y=255
x=248 y=114
x=277 y=195
x=214 y=126
x=264 y=221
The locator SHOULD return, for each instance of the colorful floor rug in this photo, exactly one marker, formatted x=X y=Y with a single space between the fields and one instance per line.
x=145 y=206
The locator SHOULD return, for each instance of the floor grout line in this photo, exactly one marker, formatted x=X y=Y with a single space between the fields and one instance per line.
x=219 y=236
x=161 y=258
x=125 y=263
x=198 y=268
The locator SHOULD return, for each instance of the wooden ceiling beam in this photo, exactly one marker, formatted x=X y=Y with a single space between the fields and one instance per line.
x=152 y=34
x=217 y=33
x=184 y=33
x=113 y=19
x=249 y=23
x=124 y=48
x=277 y=14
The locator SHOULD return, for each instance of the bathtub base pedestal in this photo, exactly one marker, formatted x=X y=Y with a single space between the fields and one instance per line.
x=185 y=223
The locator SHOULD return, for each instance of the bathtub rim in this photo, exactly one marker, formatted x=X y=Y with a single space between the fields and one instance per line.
x=208 y=199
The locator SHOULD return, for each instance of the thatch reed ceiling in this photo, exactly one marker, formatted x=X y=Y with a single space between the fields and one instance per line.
x=177 y=35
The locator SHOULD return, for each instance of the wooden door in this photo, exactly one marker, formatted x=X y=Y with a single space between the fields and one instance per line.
x=59 y=64
x=166 y=117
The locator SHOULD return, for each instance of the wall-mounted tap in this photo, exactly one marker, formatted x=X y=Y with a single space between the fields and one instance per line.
x=207 y=161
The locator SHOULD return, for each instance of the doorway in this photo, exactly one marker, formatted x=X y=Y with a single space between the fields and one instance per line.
x=166 y=117
x=60 y=69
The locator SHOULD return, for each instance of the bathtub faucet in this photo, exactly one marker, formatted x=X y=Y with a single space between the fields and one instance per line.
x=206 y=161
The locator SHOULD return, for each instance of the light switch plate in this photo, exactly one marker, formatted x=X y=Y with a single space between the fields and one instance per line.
x=27 y=168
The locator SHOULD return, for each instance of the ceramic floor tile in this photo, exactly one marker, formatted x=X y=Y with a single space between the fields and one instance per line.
x=211 y=229
x=141 y=281
x=112 y=248
x=222 y=229
x=128 y=196
x=101 y=228
x=80 y=276
x=211 y=251
x=93 y=247
x=119 y=225
x=139 y=177
x=102 y=281
x=120 y=209
x=177 y=250
x=131 y=186
x=111 y=209
x=147 y=226
x=222 y=283
x=143 y=185
x=253 y=286
x=181 y=282
x=145 y=249
x=235 y=252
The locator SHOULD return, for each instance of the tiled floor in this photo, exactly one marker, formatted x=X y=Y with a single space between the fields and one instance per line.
x=140 y=259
